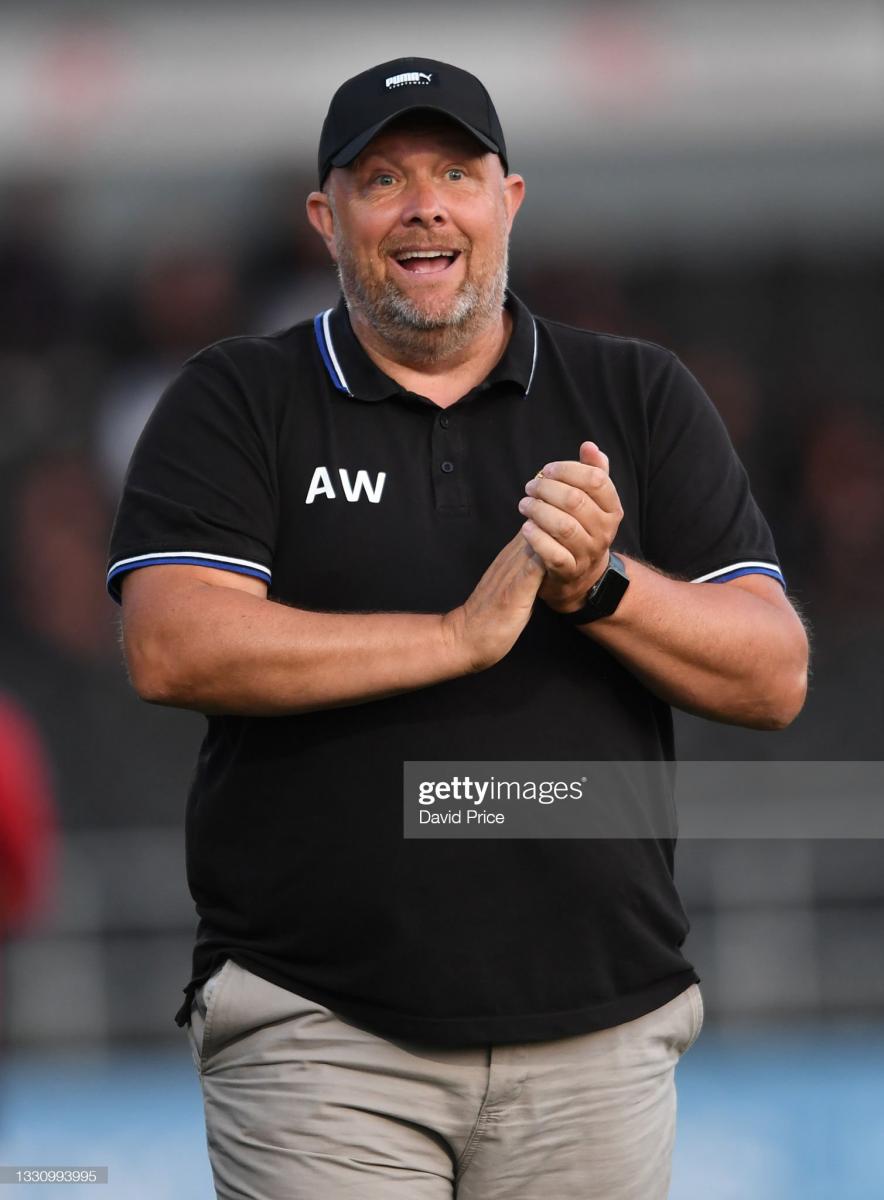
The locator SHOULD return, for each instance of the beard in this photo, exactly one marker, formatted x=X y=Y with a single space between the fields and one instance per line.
x=429 y=332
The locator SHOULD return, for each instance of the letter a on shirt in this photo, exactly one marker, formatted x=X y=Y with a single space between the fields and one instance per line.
x=320 y=485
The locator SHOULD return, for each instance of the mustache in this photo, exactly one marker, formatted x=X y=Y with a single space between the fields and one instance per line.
x=388 y=248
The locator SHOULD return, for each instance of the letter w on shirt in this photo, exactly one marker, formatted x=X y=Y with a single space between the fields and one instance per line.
x=321 y=485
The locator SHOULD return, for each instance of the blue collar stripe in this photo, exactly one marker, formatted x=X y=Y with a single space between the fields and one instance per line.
x=319 y=328
x=322 y=330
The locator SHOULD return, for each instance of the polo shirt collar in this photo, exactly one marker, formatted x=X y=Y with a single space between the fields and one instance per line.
x=353 y=372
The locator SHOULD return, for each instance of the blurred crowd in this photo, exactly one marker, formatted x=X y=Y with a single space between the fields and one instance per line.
x=787 y=345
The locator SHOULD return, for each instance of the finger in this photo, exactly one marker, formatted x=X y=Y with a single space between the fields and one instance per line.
x=570 y=500
x=563 y=528
x=593 y=456
x=594 y=482
x=555 y=557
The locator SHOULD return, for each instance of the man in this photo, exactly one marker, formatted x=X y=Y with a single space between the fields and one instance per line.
x=373 y=1015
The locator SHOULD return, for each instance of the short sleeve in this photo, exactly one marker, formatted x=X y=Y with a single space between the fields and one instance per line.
x=701 y=521
x=200 y=487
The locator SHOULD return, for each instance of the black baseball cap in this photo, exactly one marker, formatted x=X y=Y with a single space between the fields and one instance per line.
x=362 y=106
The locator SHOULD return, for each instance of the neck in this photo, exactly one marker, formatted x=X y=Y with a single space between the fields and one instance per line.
x=442 y=377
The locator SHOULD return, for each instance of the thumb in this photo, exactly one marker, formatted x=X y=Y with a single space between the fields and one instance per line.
x=592 y=456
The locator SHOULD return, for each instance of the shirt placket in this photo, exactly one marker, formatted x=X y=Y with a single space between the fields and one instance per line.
x=448 y=464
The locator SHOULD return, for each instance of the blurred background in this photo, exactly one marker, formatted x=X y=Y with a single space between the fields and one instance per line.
x=706 y=175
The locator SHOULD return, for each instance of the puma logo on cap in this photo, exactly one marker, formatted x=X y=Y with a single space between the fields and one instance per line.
x=395 y=81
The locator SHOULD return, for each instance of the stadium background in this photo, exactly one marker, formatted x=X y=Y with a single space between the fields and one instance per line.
x=708 y=176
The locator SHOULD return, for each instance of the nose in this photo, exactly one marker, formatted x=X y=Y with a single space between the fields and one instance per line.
x=422 y=205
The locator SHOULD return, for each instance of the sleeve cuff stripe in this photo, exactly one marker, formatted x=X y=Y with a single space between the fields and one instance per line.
x=723 y=574
x=241 y=566
x=191 y=556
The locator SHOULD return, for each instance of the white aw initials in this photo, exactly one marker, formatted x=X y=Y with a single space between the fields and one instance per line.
x=321 y=485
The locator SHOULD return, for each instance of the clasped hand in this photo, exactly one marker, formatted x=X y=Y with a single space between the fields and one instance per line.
x=573 y=514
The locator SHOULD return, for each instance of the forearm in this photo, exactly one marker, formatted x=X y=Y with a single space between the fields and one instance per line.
x=219 y=650
x=200 y=638
x=715 y=650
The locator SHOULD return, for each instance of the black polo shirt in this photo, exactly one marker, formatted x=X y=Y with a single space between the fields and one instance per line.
x=293 y=458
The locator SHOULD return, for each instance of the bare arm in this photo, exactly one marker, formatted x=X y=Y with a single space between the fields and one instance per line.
x=734 y=652
x=211 y=640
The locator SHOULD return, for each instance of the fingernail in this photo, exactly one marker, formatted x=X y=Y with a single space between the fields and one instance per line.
x=524 y=504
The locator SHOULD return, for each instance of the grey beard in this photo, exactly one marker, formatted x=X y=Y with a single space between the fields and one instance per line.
x=414 y=335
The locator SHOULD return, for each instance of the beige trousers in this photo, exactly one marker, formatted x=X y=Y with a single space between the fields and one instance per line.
x=302 y=1105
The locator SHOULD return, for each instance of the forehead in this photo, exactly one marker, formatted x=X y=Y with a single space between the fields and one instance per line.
x=422 y=132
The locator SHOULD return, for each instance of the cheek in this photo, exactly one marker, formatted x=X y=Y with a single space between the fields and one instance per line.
x=369 y=250
x=487 y=223
x=359 y=241
x=361 y=257
x=488 y=240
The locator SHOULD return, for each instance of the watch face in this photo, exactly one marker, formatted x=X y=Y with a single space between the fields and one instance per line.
x=605 y=595
x=611 y=592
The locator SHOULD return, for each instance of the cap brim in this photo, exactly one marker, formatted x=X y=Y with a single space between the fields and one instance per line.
x=346 y=154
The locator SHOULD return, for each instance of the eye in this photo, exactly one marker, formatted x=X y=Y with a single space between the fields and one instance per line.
x=384 y=179
x=454 y=173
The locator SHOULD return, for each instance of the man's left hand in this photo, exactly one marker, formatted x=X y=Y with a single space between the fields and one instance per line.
x=573 y=514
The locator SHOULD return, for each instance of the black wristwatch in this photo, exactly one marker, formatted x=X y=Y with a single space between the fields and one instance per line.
x=604 y=595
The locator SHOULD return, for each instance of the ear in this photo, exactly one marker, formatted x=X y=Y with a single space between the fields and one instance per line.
x=513 y=195
x=321 y=217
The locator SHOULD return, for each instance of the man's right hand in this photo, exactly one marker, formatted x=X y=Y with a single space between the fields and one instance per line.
x=485 y=627
x=206 y=639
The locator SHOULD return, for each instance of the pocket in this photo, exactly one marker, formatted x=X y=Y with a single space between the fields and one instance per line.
x=697 y=1014
x=207 y=1003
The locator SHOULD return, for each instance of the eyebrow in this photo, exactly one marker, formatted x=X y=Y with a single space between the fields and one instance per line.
x=465 y=150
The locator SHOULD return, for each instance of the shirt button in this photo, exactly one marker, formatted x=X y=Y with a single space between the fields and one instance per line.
x=448 y=467
x=444 y=422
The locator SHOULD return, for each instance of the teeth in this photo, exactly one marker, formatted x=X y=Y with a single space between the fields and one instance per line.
x=425 y=254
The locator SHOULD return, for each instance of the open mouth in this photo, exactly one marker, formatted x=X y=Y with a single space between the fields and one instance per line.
x=425 y=262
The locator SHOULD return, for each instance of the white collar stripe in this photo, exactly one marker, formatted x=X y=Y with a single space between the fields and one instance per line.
x=329 y=345
x=341 y=381
x=533 y=358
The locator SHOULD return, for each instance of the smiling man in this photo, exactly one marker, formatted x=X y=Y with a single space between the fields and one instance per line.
x=422 y=294
x=302 y=553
